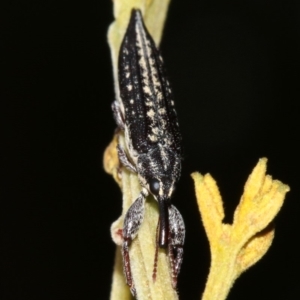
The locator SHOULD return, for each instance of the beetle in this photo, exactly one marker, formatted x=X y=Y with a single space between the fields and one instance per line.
x=145 y=113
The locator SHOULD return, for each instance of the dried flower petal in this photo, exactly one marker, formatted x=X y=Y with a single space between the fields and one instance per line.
x=111 y=160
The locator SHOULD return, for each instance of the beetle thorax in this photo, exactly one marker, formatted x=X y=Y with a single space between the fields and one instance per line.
x=161 y=165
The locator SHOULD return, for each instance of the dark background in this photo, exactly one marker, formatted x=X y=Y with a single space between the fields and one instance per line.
x=234 y=67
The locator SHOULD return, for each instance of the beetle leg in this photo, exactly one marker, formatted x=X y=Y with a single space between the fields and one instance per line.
x=118 y=116
x=121 y=124
x=124 y=159
x=176 y=241
x=132 y=222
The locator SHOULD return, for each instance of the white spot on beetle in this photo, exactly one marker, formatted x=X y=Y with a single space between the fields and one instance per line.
x=152 y=137
x=142 y=63
x=163 y=122
x=155 y=130
x=159 y=96
x=162 y=111
x=150 y=113
x=147 y=90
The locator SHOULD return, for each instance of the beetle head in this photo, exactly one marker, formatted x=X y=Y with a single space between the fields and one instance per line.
x=158 y=172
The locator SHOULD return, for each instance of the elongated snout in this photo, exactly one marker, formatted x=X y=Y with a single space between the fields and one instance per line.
x=163 y=233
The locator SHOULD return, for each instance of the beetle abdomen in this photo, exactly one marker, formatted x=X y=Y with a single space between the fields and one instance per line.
x=147 y=99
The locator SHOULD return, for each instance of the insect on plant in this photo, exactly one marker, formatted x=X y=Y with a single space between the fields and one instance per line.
x=146 y=114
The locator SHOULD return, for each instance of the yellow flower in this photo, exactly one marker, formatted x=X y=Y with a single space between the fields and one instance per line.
x=234 y=248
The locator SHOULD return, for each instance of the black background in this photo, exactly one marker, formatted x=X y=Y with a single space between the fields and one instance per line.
x=234 y=67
